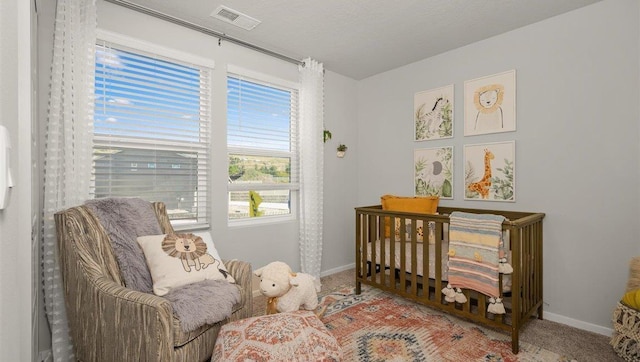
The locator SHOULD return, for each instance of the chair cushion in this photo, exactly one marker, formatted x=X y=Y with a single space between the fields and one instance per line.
x=277 y=337
x=181 y=337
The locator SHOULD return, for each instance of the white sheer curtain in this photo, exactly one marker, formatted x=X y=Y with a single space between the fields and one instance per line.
x=311 y=166
x=68 y=146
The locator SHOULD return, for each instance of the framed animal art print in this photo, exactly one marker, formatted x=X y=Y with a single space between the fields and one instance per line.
x=433 y=172
x=489 y=171
x=490 y=104
x=433 y=114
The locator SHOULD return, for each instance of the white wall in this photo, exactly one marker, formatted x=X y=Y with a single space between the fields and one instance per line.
x=577 y=144
x=15 y=227
x=340 y=174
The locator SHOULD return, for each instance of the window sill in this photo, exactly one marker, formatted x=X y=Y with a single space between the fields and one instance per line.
x=181 y=225
x=261 y=221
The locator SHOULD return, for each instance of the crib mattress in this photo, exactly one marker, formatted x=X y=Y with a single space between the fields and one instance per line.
x=419 y=251
x=506 y=281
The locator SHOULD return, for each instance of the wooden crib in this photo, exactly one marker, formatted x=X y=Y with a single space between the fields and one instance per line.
x=411 y=278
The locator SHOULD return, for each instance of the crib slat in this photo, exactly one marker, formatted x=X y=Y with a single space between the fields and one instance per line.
x=499 y=317
x=466 y=307
x=524 y=275
x=376 y=237
x=529 y=265
x=414 y=257
x=358 y=254
x=359 y=250
x=539 y=269
x=516 y=245
x=425 y=265
x=438 y=262
x=403 y=263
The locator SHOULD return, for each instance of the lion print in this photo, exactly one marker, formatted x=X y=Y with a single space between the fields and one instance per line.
x=488 y=102
x=190 y=249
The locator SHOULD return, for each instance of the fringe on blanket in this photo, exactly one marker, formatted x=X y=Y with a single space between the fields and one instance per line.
x=452 y=295
x=495 y=306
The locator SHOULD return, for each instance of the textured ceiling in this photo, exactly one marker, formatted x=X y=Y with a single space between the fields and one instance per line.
x=360 y=38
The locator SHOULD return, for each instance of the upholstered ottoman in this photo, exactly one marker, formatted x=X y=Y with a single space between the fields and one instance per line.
x=295 y=336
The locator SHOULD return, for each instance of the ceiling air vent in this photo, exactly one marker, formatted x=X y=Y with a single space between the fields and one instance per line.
x=235 y=17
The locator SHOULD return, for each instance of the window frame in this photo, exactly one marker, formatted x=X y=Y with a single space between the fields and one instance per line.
x=144 y=48
x=294 y=154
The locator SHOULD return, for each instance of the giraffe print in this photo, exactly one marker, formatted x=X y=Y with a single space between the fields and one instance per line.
x=482 y=186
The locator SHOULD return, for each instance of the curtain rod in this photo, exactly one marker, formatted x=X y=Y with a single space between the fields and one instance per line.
x=202 y=29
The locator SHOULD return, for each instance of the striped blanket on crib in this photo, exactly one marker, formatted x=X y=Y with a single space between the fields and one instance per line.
x=474 y=243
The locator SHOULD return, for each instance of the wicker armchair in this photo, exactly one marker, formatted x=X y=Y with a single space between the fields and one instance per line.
x=109 y=322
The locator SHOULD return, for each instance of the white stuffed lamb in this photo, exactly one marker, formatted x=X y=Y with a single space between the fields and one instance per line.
x=286 y=291
x=301 y=294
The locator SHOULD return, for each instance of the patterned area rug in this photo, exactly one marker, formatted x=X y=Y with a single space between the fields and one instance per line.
x=378 y=326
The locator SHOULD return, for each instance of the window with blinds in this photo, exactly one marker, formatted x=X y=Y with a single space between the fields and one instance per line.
x=261 y=138
x=152 y=131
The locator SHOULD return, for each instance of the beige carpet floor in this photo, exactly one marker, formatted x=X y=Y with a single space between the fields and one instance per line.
x=567 y=341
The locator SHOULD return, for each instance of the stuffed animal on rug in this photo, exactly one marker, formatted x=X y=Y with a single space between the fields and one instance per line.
x=302 y=294
x=285 y=290
x=274 y=283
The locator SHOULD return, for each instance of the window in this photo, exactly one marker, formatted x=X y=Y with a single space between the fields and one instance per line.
x=151 y=131
x=262 y=148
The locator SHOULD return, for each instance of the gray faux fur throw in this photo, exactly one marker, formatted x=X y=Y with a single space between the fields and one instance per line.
x=125 y=219
x=205 y=302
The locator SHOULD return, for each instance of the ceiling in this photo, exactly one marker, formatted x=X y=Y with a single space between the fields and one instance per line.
x=360 y=38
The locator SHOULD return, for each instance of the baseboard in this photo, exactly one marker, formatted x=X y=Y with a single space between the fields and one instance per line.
x=578 y=324
x=337 y=270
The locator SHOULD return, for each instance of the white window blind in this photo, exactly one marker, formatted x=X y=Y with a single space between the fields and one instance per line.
x=262 y=146
x=152 y=131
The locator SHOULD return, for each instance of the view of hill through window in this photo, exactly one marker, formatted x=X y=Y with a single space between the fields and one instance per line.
x=261 y=123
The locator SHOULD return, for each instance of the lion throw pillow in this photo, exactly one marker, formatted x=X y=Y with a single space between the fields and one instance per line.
x=211 y=249
x=175 y=260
